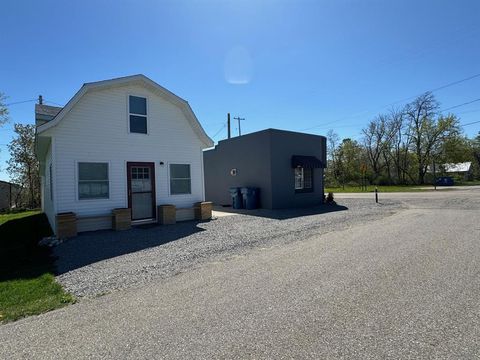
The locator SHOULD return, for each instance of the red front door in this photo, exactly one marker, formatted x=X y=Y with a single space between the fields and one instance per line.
x=141 y=190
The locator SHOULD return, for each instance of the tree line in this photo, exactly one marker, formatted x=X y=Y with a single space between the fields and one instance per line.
x=397 y=147
x=401 y=147
x=23 y=166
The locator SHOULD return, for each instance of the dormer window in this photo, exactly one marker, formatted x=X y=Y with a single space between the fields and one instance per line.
x=137 y=112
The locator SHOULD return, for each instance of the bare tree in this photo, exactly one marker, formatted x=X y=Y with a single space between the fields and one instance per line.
x=333 y=141
x=376 y=140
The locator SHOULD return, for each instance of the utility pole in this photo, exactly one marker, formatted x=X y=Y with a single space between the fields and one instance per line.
x=228 y=125
x=239 y=129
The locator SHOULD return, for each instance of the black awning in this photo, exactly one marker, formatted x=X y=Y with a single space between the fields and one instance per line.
x=306 y=162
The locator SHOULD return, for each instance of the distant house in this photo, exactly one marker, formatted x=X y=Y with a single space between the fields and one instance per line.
x=119 y=143
x=464 y=169
x=286 y=166
x=8 y=194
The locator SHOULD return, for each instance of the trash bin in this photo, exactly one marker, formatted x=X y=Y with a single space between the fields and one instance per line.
x=250 y=197
x=236 y=197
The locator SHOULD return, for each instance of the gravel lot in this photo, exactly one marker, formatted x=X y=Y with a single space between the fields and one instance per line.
x=405 y=286
x=97 y=263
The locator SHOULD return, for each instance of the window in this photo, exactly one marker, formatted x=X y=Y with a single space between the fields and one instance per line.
x=93 y=181
x=180 y=181
x=303 y=179
x=137 y=112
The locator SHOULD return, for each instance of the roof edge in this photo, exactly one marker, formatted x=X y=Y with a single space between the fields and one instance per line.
x=187 y=110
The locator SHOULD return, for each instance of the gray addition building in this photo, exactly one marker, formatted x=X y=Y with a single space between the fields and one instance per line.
x=286 y=166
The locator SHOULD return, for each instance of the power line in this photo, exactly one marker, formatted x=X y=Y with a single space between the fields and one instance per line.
x=219 y=131
x=459 y=105
x=20 y=102
x=399 y=101
x=470 y=123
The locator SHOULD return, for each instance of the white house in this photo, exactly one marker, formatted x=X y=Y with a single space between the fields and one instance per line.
x=120 y=143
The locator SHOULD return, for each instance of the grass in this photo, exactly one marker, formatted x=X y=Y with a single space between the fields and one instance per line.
x=395 y=188
x=12 y=216
x=24 y=297
x=27 y=284
x=371 y=188
x=468 y=183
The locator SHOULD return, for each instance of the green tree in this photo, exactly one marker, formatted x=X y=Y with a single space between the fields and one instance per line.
x=456 y=149
x=23 y=165
x=350 y=157
x=3 y=109
x=476 y=153
x=428 y=130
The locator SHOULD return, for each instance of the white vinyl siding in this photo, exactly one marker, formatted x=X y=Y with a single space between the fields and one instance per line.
x=95 y=130
x=48 y=189
x=50 y=182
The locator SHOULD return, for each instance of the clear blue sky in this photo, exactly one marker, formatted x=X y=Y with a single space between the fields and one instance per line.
x=282 y=64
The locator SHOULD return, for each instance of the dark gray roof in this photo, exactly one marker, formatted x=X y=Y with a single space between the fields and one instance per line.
x=47 y=110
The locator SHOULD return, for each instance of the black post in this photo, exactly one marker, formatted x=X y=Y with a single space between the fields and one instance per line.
x=434 y=176
x=228 y=125
x=376 y=194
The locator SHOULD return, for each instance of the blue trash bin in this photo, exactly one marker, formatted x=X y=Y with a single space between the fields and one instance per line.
x=250 y=197
x=237 y=202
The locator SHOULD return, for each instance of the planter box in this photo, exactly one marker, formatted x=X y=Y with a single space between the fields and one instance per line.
x=66 y=225
x=203 y=210
x=122 y=219
x=167 y=214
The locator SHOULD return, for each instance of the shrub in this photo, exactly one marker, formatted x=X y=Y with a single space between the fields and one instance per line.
x=329 y=199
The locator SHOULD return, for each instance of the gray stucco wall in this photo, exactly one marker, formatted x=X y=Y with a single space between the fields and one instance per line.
x=250 y=156
x=283 y=145
x=263 y=159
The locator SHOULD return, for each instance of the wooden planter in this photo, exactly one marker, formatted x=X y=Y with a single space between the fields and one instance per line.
x=167 y=214
x=122 y=219
x=203 y=210
x=66 y=225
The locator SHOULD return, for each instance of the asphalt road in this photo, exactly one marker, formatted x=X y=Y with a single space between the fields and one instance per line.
x=406 y=286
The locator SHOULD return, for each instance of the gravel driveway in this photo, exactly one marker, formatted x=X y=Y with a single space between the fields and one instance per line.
x=97 y=263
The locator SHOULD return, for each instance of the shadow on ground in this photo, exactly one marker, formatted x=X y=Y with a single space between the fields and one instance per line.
x=284 y=214
x=20 y=255
x=91 y=247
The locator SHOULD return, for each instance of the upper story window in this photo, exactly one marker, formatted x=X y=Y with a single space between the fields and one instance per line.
x=303 y=179
x=137 y=113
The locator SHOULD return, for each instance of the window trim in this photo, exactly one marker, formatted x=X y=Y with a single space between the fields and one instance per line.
x=145 y=116
x=170 y=178
x=77 y=180
x=304 y=189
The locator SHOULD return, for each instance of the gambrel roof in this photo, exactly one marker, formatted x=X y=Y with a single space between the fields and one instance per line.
x=134 y=79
